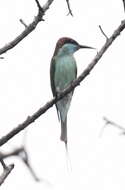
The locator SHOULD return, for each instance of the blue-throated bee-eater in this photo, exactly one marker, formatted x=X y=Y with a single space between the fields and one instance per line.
x=63 y=71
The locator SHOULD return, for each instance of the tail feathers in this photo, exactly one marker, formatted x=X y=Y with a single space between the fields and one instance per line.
x=63 y=136
x=58 y=113
x=68 y=160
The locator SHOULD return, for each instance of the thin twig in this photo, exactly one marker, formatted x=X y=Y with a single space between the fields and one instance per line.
x=25 y=158
x=5 y=173
x=38 y=5
x=23 y=23
x=68 y=5
x=102 y=129
x=103 y=32
x=29 y=28
x=109 y=122
x=3 y=164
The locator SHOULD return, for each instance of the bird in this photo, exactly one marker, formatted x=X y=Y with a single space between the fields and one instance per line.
x=63 y=71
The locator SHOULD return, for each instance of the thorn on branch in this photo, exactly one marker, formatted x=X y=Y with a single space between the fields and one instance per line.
x=103 y=32
x=23 y=23
x=70 y=11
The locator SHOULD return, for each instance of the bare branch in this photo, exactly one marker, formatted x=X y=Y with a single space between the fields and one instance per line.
x=14 y=152
x=47 y=5
x=103 y=32
x=5 y=173
x=109 y=122
x=29 y=28
x=23 y=155
x=70 y=11
x=25 y=158
x=124 y=4
x=32 y=172
x=75 y=83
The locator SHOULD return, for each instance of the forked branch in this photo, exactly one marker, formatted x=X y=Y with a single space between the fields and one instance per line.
x=28 y=28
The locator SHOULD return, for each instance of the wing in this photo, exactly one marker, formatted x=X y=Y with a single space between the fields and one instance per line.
x=52 y=74
x=75 y=78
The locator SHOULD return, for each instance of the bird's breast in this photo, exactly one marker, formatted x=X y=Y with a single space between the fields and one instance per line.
x=65 y=71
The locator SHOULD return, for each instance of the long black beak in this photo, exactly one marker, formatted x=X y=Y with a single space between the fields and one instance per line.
x=82 y=46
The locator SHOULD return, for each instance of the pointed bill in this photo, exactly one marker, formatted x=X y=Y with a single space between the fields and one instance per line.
x=82 y=46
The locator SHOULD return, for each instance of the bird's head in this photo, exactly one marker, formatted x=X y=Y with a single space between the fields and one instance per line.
x=67 y=45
